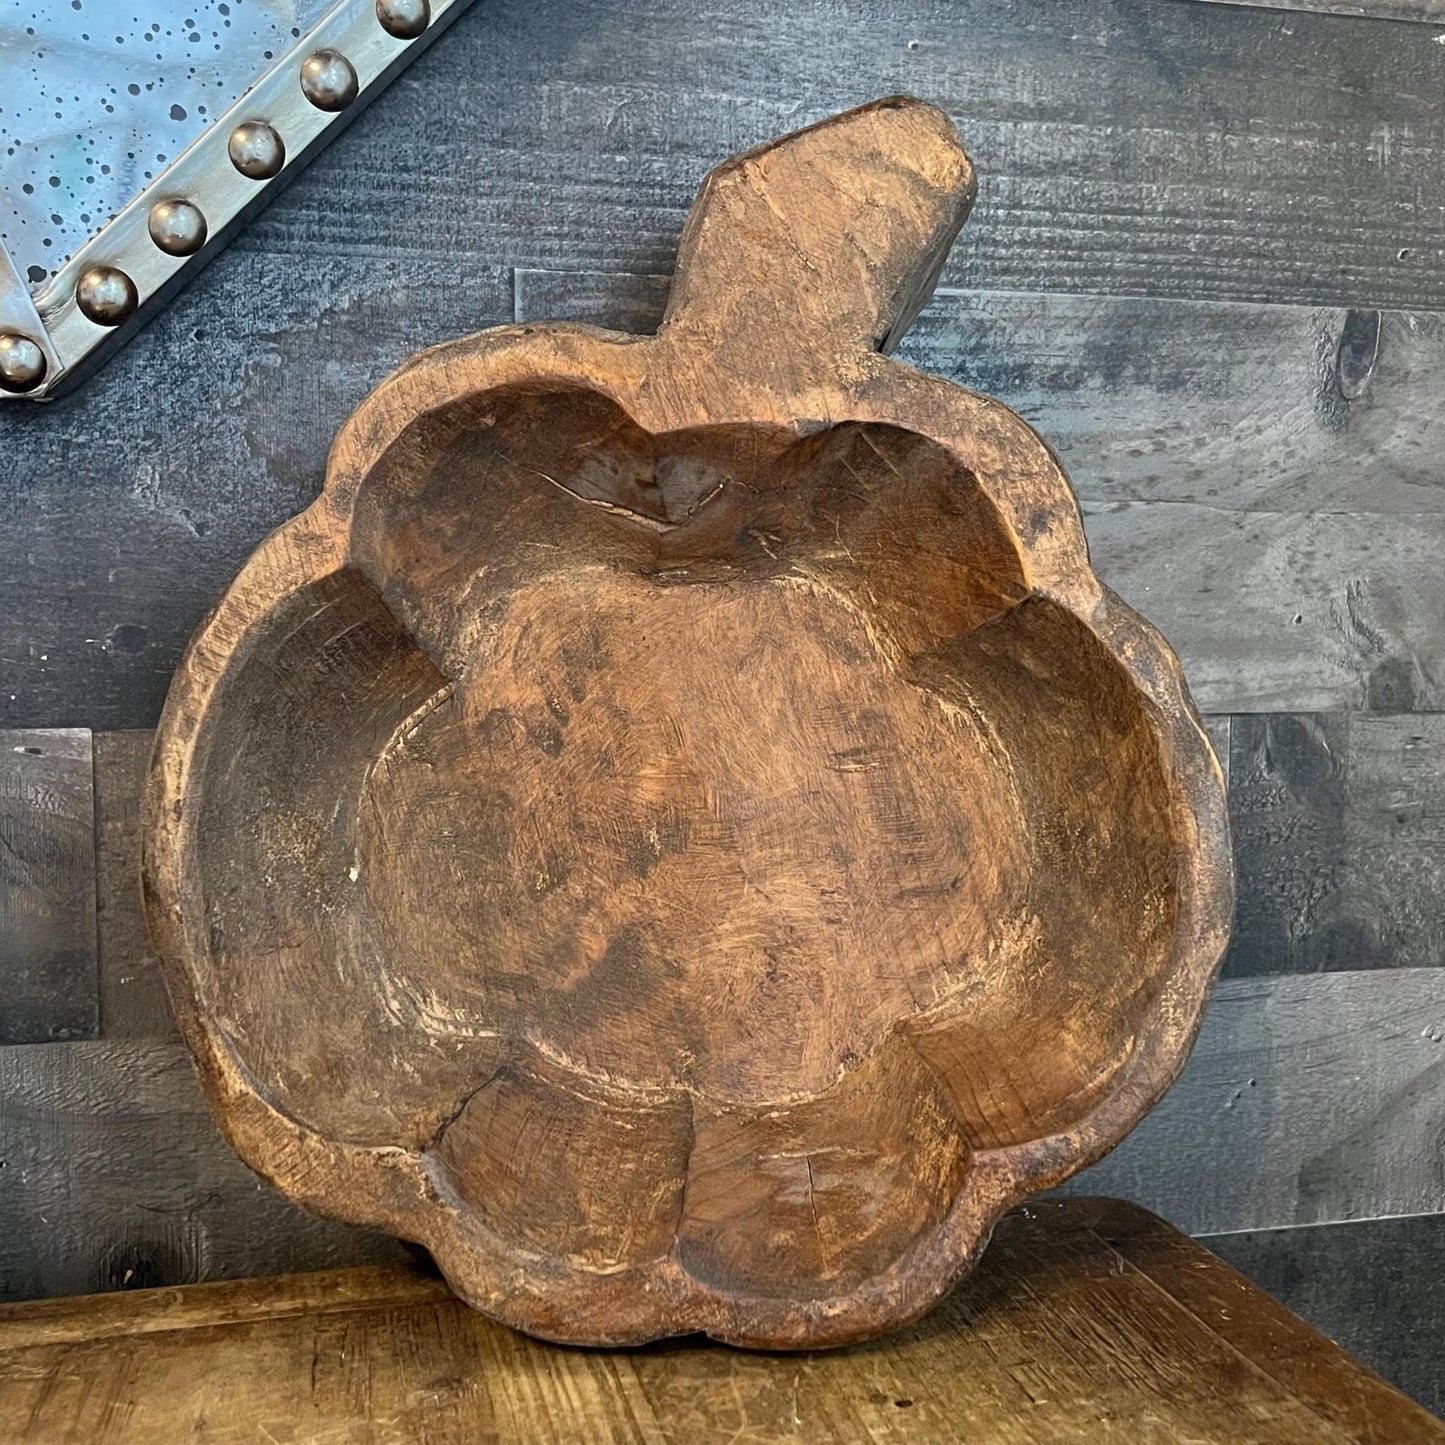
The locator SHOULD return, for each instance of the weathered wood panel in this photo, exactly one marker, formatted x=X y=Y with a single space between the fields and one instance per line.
x=1339 y=839
x=1087 y=1323
x=1284 y=611
x=1111 y=141
x=126 y=508
x=48 y=987
x=574 y=135
x=115 y=1177
x=1430 y=12
x=1323 y=605
x=1373 y=1287
x=1283 y=537
x=133 y=1002
x=1247 y=408
x=618 y=300
x=1308 y=1099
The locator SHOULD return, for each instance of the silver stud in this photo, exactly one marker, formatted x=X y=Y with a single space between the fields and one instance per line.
x=177 y=227
x=328 y=80
x=406 y=19
x=256 y=150
x=22 y=363
x=105 y=295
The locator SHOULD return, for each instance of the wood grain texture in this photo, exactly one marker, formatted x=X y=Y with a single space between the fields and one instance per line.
x=1339 y=836
x=48 y=987
x=1430 y=12
x=1341 y=1122
x=1372 y=1286
x=1308 y=1099
x=133 y=1002
x=115 y=1177
x=132 y=991
x=1112 y=162
x=1221 y=454
x=1108 y=137
x=1089 y=1324
x=1341 y=611
x=603 y=760
x=1162 y=400
x=1260 y=1328
x=121 y=520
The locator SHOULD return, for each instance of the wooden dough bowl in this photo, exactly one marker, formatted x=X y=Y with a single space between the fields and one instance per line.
x=677 y=827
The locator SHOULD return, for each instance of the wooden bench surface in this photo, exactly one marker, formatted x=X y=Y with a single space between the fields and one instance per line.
x=1088 y=1321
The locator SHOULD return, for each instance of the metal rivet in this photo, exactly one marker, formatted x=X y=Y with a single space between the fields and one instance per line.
x=22 y=363
x=106 y=295
x=177 y=227
x=328 y=80
x=256 y=150
x=406 y=19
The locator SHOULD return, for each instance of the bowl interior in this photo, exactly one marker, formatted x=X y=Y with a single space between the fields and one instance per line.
x=698 y=843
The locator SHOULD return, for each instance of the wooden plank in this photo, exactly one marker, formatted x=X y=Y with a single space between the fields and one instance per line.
x=48 y=987
x=121 y=520
x=1274 y=409
x=116 y=1177
x=97 y=601
x=1264 y=1331
x=1339 y=839
x=1110 y=163
x=618 y=300
x=1430 y=12
x=1373 y=1286
x=1244 y=408
x=1308 y=1099
x=257 y=1300
x=1085 y=1322
x=1220 y=469
x=133 y=1002
x=1284 y=612
x=1108 y=141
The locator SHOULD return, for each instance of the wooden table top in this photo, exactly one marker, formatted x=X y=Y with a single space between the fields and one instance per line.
x=1088 y=1321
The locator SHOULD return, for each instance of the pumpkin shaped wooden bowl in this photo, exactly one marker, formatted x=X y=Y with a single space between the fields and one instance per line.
x=677 y=827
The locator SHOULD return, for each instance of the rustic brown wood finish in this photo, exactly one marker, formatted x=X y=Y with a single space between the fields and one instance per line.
x=1089 y=1323
x=677 y=827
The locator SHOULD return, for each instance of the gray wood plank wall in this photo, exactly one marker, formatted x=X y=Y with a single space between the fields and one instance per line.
x=50 y=988
x=1208 y=262
x=1431 y=12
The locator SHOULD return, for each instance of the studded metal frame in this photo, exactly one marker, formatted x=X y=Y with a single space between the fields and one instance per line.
x=50 y=341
